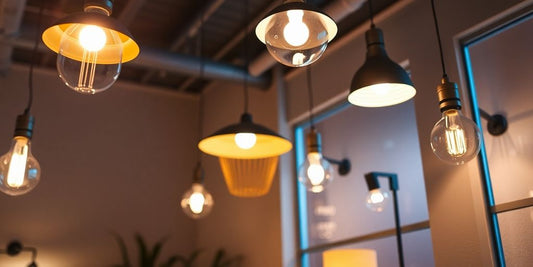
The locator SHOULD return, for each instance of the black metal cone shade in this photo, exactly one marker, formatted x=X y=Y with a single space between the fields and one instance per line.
x=223 y=142
x=380 y=81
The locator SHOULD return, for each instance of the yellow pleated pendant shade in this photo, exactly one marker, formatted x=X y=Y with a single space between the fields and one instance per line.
x=248 y=177
x=350 y=258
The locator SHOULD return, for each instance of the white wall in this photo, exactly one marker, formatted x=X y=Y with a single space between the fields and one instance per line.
x=118 y=161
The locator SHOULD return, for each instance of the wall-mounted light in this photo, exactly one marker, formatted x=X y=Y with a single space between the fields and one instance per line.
x=376 y=198
x=380 y=81
x=350 y=258
x=14 y=248
x=455 y=139
x=496 y=123
x=316 y=171
x=197 y=202
x=91 y=47
x=295 y=33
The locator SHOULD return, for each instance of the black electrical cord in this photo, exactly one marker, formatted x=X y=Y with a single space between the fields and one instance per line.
x=444 y=74
x=33 y=59
x=310 y=90
x=245 y=51
x=371 y=10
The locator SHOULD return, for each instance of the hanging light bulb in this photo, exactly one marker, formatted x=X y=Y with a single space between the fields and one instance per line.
x=376 y=200
x=19 y=170
x=316 y=172
x=197 y=202
x=455 y=139
x=295 y=33
x=91 y=47
x=245 y=140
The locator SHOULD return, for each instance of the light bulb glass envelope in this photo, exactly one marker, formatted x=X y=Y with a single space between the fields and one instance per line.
x=295 y=33
x=20 y=172
x=91 y=48
x=376 y=200
x=315 y=173
x=455 y=139
x=197 y=202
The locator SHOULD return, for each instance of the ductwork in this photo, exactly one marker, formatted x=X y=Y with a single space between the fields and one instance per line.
x=337 y=10
x=173 y=62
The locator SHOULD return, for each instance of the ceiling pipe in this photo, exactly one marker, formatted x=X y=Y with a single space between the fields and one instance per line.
x=173 y=62
x=337 y=10
x=10 y=19
x=191 y=30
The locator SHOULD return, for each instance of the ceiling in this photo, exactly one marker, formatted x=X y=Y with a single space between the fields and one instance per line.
x=168 y=33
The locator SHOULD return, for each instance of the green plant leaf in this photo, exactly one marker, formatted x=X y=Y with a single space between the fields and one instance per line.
x=123 y=251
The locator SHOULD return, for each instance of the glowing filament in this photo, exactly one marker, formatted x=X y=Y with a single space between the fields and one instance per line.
x=315 y=172
x=296 y=32
x=196 y=202
x=455 y=142
x=17 y=164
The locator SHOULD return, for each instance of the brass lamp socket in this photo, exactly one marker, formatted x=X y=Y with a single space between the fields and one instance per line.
x=314 y=142
x=24 y=125
x=448 y=95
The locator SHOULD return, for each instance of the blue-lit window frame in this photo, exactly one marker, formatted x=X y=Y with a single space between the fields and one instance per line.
x=299 y=145
x=492 y=209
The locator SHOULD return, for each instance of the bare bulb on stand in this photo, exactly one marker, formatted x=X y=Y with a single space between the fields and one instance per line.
x=19 y=170
x=376 y=200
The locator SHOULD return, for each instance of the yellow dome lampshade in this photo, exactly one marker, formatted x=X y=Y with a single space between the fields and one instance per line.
x=95 y=39
x=350 y=258
x=249 y=177
x=245 y=140
x=295 y=33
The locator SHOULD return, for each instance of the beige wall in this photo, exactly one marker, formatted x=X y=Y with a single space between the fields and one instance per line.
x=459 y=230
x=113 y=162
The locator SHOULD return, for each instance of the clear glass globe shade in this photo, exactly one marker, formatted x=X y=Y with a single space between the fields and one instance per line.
x=296 y=38
x=89 y=58
x=245 y=140
x=315 y=173
x=376 y=200
x=20 y=172
x=455 y=139
x=197 y=202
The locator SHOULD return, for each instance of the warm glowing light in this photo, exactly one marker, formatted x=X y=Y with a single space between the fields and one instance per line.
x=17 y=165
x=455 y=140
x=196 y=202
x=296 y=33
x=376 y=196
x=92 y=38
x=245 y=140
x=315 y=172
x=298 y=59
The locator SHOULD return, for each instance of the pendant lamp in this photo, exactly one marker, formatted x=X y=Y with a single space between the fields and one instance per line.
x=197 y=202
x=248 y=152
x=455 y=139
x=91 y=47
x=380 y=81
x=20 y=171
x=295 y=33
